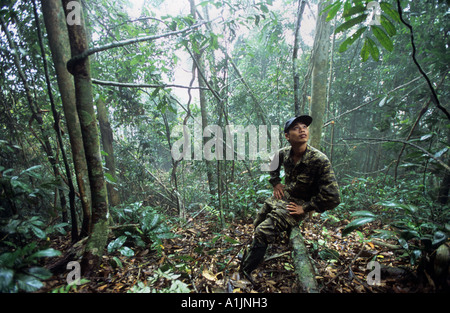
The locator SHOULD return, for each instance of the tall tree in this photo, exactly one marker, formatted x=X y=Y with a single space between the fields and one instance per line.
x=200 y=67
x=80 y=68
x=58 y=39
x=319 y=76
x=300 y=10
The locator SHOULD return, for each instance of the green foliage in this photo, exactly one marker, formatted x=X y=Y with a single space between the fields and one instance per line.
x=355 y=14
x=21 y=254
x=27 y=187
x=19 y=270
x=417 y=224
x=138 y=226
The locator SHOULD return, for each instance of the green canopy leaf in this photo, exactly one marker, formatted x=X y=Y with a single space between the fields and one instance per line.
x=384 y=39
x=350 y=23
x=350 y=40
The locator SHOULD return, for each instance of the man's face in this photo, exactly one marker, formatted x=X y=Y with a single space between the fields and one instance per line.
x=298 y=133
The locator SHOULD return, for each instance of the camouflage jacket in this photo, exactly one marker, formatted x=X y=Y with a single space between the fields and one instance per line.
x=311 y=181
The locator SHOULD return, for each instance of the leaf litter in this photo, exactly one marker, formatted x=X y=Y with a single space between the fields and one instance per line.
x=203 y=258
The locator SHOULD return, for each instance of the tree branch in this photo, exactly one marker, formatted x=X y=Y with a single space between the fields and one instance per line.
x=132 y=85
x=434 y=96
x=126 y=42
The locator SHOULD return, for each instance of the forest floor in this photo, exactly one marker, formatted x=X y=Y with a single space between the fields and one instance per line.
x=206 y=260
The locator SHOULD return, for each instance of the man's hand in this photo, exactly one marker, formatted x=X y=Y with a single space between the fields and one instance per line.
x=295 y=209
x=278 y=192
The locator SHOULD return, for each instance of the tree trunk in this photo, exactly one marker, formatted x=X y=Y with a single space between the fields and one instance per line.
x=86 y=113
x=57 y=127
x=58 y=38
x=201 y=83
x=107 y=142
x=319 y=77
x=302 y=264
x=301 y=8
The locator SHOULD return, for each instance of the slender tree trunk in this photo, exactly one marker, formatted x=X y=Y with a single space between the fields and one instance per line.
x=107 y=142
x=319 y=77
x=201 y=83
x=86 y=113
x=301 y=8
x=56 y=117
x=58 y=38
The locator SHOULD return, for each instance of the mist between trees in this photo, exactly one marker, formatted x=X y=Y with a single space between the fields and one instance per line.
x=148 y=113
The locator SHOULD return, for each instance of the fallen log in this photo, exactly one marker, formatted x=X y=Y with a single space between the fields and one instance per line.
x=302 y=263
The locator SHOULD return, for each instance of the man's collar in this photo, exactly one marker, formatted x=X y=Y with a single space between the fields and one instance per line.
x=306 y=155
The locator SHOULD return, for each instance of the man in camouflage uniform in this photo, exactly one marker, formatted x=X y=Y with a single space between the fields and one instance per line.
x=310 y=185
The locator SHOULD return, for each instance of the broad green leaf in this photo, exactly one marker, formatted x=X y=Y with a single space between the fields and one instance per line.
x=350 y=23
x=154 y=222
x=365 y=51
x=40 y=272
x=125 y=251
x=50 y=252
x=382 y=102
x=264 y=8
x=427 y=136
x=38 y=232
x=388 y=26
x=332 y=10
x=6 y=278
x=353 y=10
x=109 y=178
x=440 y=153
x=30 y=170
x=409 y=207
x=28 y=283
x=373 y=49
x=387 y=8
x=116 y=244
x=329 y=254
x=389 y=204
x=364 y=214
x=356 y=223
x=385 y=41
x=231 y=240
x=350 y=40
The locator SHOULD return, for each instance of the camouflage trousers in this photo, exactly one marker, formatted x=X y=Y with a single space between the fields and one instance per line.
x=273 y=219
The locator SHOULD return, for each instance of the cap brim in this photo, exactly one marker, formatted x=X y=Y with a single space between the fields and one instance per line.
x=305 y=119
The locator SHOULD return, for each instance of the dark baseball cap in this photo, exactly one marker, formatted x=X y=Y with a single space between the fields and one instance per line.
x=305 y=119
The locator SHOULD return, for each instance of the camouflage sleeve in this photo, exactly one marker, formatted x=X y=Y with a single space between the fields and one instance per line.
x=328 y=197
x=275 y=167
